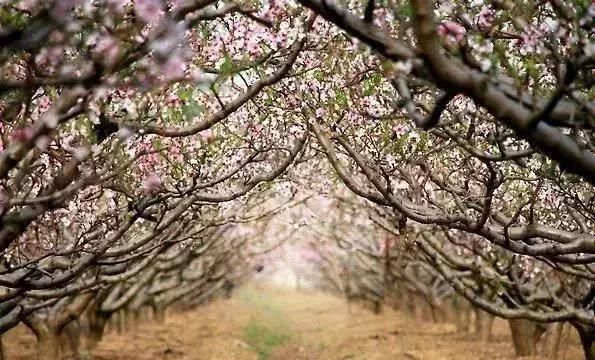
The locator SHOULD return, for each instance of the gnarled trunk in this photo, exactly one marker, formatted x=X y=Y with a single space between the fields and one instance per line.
x=377 y=305
x=1 y=348
x=70 y=339
x=48 y=346
x=483 y=325
x=52 y=322
x=159 y=314
x=461 y=314
x=90 y=331
x=587 y=335
x=551 y=342
x=438 y=312
x=525 y=335
x=121 y=323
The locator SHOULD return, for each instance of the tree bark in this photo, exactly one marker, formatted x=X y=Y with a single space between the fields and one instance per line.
x=462 y=314
x=420 y=309
x=159 y=313
x=464 y=321
x=377 y=305
x=91 y=330
x=121 y=321
x=438 y=312
x=1 y=348
x=70 y=339
x=483 y=325
x=525 y=335
x=551 y=341
x=48 y=347
x=587 y=335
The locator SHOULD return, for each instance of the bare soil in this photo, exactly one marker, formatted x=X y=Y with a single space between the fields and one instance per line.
x=264 y=323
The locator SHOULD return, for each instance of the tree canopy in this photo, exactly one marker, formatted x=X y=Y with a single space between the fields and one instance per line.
x=153 y=152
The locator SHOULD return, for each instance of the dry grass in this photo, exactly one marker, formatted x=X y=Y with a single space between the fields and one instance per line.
x=264 y=323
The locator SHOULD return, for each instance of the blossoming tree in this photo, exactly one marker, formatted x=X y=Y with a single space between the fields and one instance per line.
x=139 y=137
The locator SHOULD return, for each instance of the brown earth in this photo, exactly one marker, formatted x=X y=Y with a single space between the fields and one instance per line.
x=264 y=323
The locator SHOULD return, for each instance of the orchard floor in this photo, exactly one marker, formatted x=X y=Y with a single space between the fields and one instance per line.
x=265 y=323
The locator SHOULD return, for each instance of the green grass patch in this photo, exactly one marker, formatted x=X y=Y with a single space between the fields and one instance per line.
x=263 y=339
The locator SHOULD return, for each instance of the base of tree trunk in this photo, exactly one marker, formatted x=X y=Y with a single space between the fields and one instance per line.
x=552 y=339
x=525 y=335
x=483 y=325
x=48 y=348
x=587 y=336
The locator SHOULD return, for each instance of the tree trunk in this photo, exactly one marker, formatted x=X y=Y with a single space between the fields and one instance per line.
x=93 y=337
x=588 y=348
x=463 y=320
x=48 y=347
x=91 y=330
x=587 y=335
x=159 y=313
x=130 y=319
x=450 y=312
x=483 y=325
x=396 y=300
x=438 y=312
x=426 y=312
x=70 y=339
x=421 y=310
x=460 y=313
x=551 y=341
x=112 y=323
x=402 y=301
x=137 y=318
x=121 y=321
x=377 y=307
x=525 y=335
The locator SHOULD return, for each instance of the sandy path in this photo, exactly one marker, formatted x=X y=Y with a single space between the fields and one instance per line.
x=261 y=323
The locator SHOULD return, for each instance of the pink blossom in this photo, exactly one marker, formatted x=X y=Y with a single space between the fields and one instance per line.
x=320 y=113
x=485 y=19
x=42 y=143
x=152 y=183
x=62 y=8
x=273 y=10
x=253 y=47
x=124 y=133
x=23 y=134
x=49 y=56
x=170 y=40
x=452 y=29
x=174 y=68
x=399 y=129
x=172 y=100
x=207 y=135
x=149 y=11
x=26 y=5
x=201 y=78
x=108 y=48
x=255 y=130
x=44 y=104
x=178 y=4
x=175 y=152
x=531 y=37
x=81 y=153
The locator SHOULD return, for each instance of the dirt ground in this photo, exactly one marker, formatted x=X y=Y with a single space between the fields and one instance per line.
x=264 y=323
